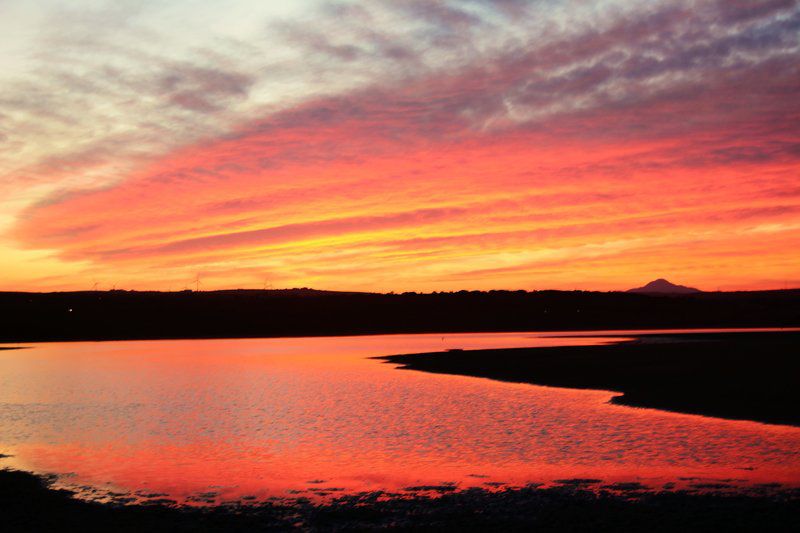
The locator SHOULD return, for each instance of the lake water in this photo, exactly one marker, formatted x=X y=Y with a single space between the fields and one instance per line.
x=209 y=421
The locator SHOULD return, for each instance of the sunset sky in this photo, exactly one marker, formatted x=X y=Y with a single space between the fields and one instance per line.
x=399 y=145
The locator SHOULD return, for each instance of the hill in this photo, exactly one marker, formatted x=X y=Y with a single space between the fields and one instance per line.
x=662 y=286
x=108 y=315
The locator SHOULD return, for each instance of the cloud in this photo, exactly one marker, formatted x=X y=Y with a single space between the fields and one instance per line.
x=420 y=131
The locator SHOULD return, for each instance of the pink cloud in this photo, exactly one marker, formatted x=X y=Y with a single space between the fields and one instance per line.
x=663 y=127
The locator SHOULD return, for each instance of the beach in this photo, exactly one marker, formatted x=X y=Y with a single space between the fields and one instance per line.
x=30 y=505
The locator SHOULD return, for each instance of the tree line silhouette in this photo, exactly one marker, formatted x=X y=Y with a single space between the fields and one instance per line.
x=106 y=315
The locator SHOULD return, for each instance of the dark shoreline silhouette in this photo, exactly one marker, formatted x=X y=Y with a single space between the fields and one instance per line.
x=27 y=503
x=751 y=376
x=124 y=315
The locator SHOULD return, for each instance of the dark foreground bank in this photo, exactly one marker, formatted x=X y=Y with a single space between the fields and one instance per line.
x=27 y=504
x=750 y=376
x=122 y=315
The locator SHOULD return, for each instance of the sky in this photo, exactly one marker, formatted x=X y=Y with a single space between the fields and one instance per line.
x=399 y=145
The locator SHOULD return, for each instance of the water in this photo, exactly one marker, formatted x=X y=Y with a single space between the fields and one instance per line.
x=209 y=421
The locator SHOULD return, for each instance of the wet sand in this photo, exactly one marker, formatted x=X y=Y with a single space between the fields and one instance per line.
x=28 y=504
x=749 y=376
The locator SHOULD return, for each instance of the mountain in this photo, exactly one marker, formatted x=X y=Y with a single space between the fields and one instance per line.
x=662 y=286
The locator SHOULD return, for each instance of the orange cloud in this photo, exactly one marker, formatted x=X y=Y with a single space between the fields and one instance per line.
x=593 y=160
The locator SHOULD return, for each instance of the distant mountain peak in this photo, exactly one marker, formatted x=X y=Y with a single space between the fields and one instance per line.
x=663 y=286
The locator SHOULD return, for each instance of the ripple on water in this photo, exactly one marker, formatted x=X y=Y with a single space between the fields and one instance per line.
x=212 y=421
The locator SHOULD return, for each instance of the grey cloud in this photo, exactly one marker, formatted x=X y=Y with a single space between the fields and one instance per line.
x=600 y=68
x=662 y=54
x=201 y=88
x=735 y=11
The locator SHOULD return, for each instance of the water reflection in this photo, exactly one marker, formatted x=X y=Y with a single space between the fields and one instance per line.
x=216 y=420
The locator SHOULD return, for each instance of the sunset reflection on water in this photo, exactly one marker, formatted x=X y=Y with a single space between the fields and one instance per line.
x=218 y=420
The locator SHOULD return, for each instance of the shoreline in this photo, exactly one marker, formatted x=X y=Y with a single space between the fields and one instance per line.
x=28 y=503
x=742 y=376
x=565 y=333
